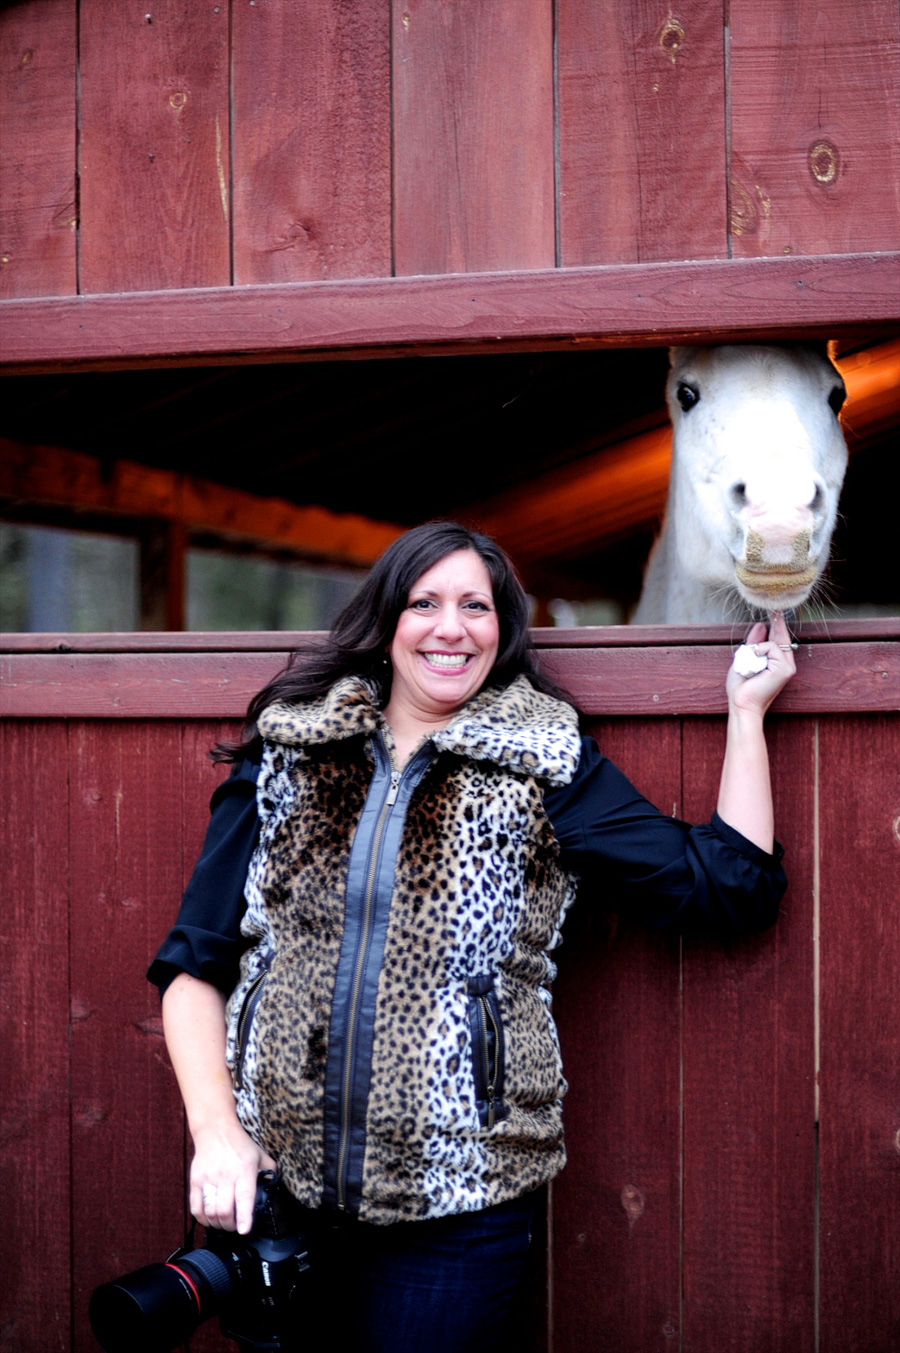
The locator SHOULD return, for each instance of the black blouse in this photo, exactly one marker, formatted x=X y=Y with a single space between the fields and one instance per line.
x=636 y=860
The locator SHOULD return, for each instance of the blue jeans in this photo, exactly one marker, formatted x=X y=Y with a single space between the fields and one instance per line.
x=444 y=1286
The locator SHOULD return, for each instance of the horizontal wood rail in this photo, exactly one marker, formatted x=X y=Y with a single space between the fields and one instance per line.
x=656 y=670
x=636 y=304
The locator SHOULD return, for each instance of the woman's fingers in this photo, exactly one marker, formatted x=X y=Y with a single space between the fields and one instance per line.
x=223 y=1193
x=244 y=1198
x=755 y=690
x=212 y=1203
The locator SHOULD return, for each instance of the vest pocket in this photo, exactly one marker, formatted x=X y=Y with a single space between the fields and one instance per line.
x=244 y=1024
x=488 y=1050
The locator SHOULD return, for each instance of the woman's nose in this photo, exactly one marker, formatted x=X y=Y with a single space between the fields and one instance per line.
x=449 y=623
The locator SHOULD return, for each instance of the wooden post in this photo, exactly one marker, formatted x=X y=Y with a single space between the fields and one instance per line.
x=162 y=551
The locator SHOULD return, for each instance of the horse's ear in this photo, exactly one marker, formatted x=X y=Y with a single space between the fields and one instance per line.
x=822 y=348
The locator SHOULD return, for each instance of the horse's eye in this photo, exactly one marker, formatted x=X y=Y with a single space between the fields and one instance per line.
x=687 y=395
x=837 y=397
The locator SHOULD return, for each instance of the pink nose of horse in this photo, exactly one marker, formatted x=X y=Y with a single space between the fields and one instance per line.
x=780 y=520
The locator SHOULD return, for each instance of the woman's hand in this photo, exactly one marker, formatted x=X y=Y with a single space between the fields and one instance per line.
x=223 y=1176
x=226 y=1160
x=755 y=694
x=745 y=791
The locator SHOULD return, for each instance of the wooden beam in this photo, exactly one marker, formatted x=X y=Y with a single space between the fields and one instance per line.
x=854 y=670
x=49 y=476
x=622 y=487
x=162 y=558
x=614 y=306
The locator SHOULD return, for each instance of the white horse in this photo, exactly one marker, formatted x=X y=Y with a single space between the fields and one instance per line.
x=758 y=459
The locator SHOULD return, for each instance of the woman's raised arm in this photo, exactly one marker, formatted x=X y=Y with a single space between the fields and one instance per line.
x=745 y=790
x=226 y=1160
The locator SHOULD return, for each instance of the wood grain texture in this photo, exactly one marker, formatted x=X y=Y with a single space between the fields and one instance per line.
x=749 y=1068
x=622 y=681
x=587 y=636
x=199 y=778
x=312 y=140
x=473 y=136
x=815 y=106
x=641 y=131
x=859 y=778
x=126 y=875
x=154 y=161
x=616 y=1206
x=35 y=1238
x=38 y=211
x=654 y=303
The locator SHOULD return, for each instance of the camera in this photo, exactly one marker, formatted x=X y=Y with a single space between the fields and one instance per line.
x=252 y=1283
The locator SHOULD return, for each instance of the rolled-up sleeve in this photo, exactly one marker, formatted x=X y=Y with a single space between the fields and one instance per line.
x=206 y=939
x=658 y=869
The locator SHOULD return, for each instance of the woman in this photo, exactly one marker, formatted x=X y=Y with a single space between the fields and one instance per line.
x=381 y=906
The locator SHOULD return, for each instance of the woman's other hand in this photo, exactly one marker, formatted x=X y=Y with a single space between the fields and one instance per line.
x=223 y=1176
x=755 y=694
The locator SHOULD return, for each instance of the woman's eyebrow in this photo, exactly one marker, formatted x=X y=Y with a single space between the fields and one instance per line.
x=429 y=592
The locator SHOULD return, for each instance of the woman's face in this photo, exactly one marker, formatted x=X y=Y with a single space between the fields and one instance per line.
x=446 y=639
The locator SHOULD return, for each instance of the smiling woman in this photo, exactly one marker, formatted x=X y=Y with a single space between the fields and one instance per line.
x=356 y=989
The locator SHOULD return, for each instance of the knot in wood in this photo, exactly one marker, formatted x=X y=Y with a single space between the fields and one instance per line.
x=671 y=39
x=632 y=1202
x=824 y=161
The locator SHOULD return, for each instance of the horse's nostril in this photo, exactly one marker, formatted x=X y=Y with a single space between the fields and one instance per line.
x=738 y=494
x=817 y=501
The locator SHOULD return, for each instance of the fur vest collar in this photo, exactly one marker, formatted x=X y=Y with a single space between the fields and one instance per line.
x=517 y=728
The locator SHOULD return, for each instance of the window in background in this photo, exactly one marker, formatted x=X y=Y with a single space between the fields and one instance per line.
x=76 y=581
x=243 y=592
x=66 y=581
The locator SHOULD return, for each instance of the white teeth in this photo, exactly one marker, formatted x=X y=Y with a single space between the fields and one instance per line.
x=447 y=659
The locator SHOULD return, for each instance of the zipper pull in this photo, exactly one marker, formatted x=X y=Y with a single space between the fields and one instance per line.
x=392 y=792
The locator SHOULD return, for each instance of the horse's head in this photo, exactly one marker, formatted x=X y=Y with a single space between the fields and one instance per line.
x=758 y=462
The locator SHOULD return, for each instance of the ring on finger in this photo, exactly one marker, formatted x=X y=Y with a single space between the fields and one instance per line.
x=209 y=1195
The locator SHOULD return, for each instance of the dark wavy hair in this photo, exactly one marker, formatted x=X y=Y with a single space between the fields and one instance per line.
x=357 y=644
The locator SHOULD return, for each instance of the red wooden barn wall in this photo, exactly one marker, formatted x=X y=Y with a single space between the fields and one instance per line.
x=701 y=1209
x=160 y=146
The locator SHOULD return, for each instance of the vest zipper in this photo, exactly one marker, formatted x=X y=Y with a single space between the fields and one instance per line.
x=248 y=1010
x=390 y=800
x=489 y=1066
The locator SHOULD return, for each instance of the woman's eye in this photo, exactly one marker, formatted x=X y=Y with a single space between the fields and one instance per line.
x=421 y=604
x=475 y=606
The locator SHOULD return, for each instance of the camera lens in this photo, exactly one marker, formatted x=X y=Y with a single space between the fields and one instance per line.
x=156 y=1307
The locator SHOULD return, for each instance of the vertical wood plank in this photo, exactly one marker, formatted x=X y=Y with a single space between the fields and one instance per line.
x=312 y=143
x=859 y=788
x=37 y=149
x=815 y=107
x=641 y=131
x=154 y=115
x=615 y=1214
x=749 y=1139
x=126 y=871
x=199 y=777
x=473 y=136
x=35 y=1238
